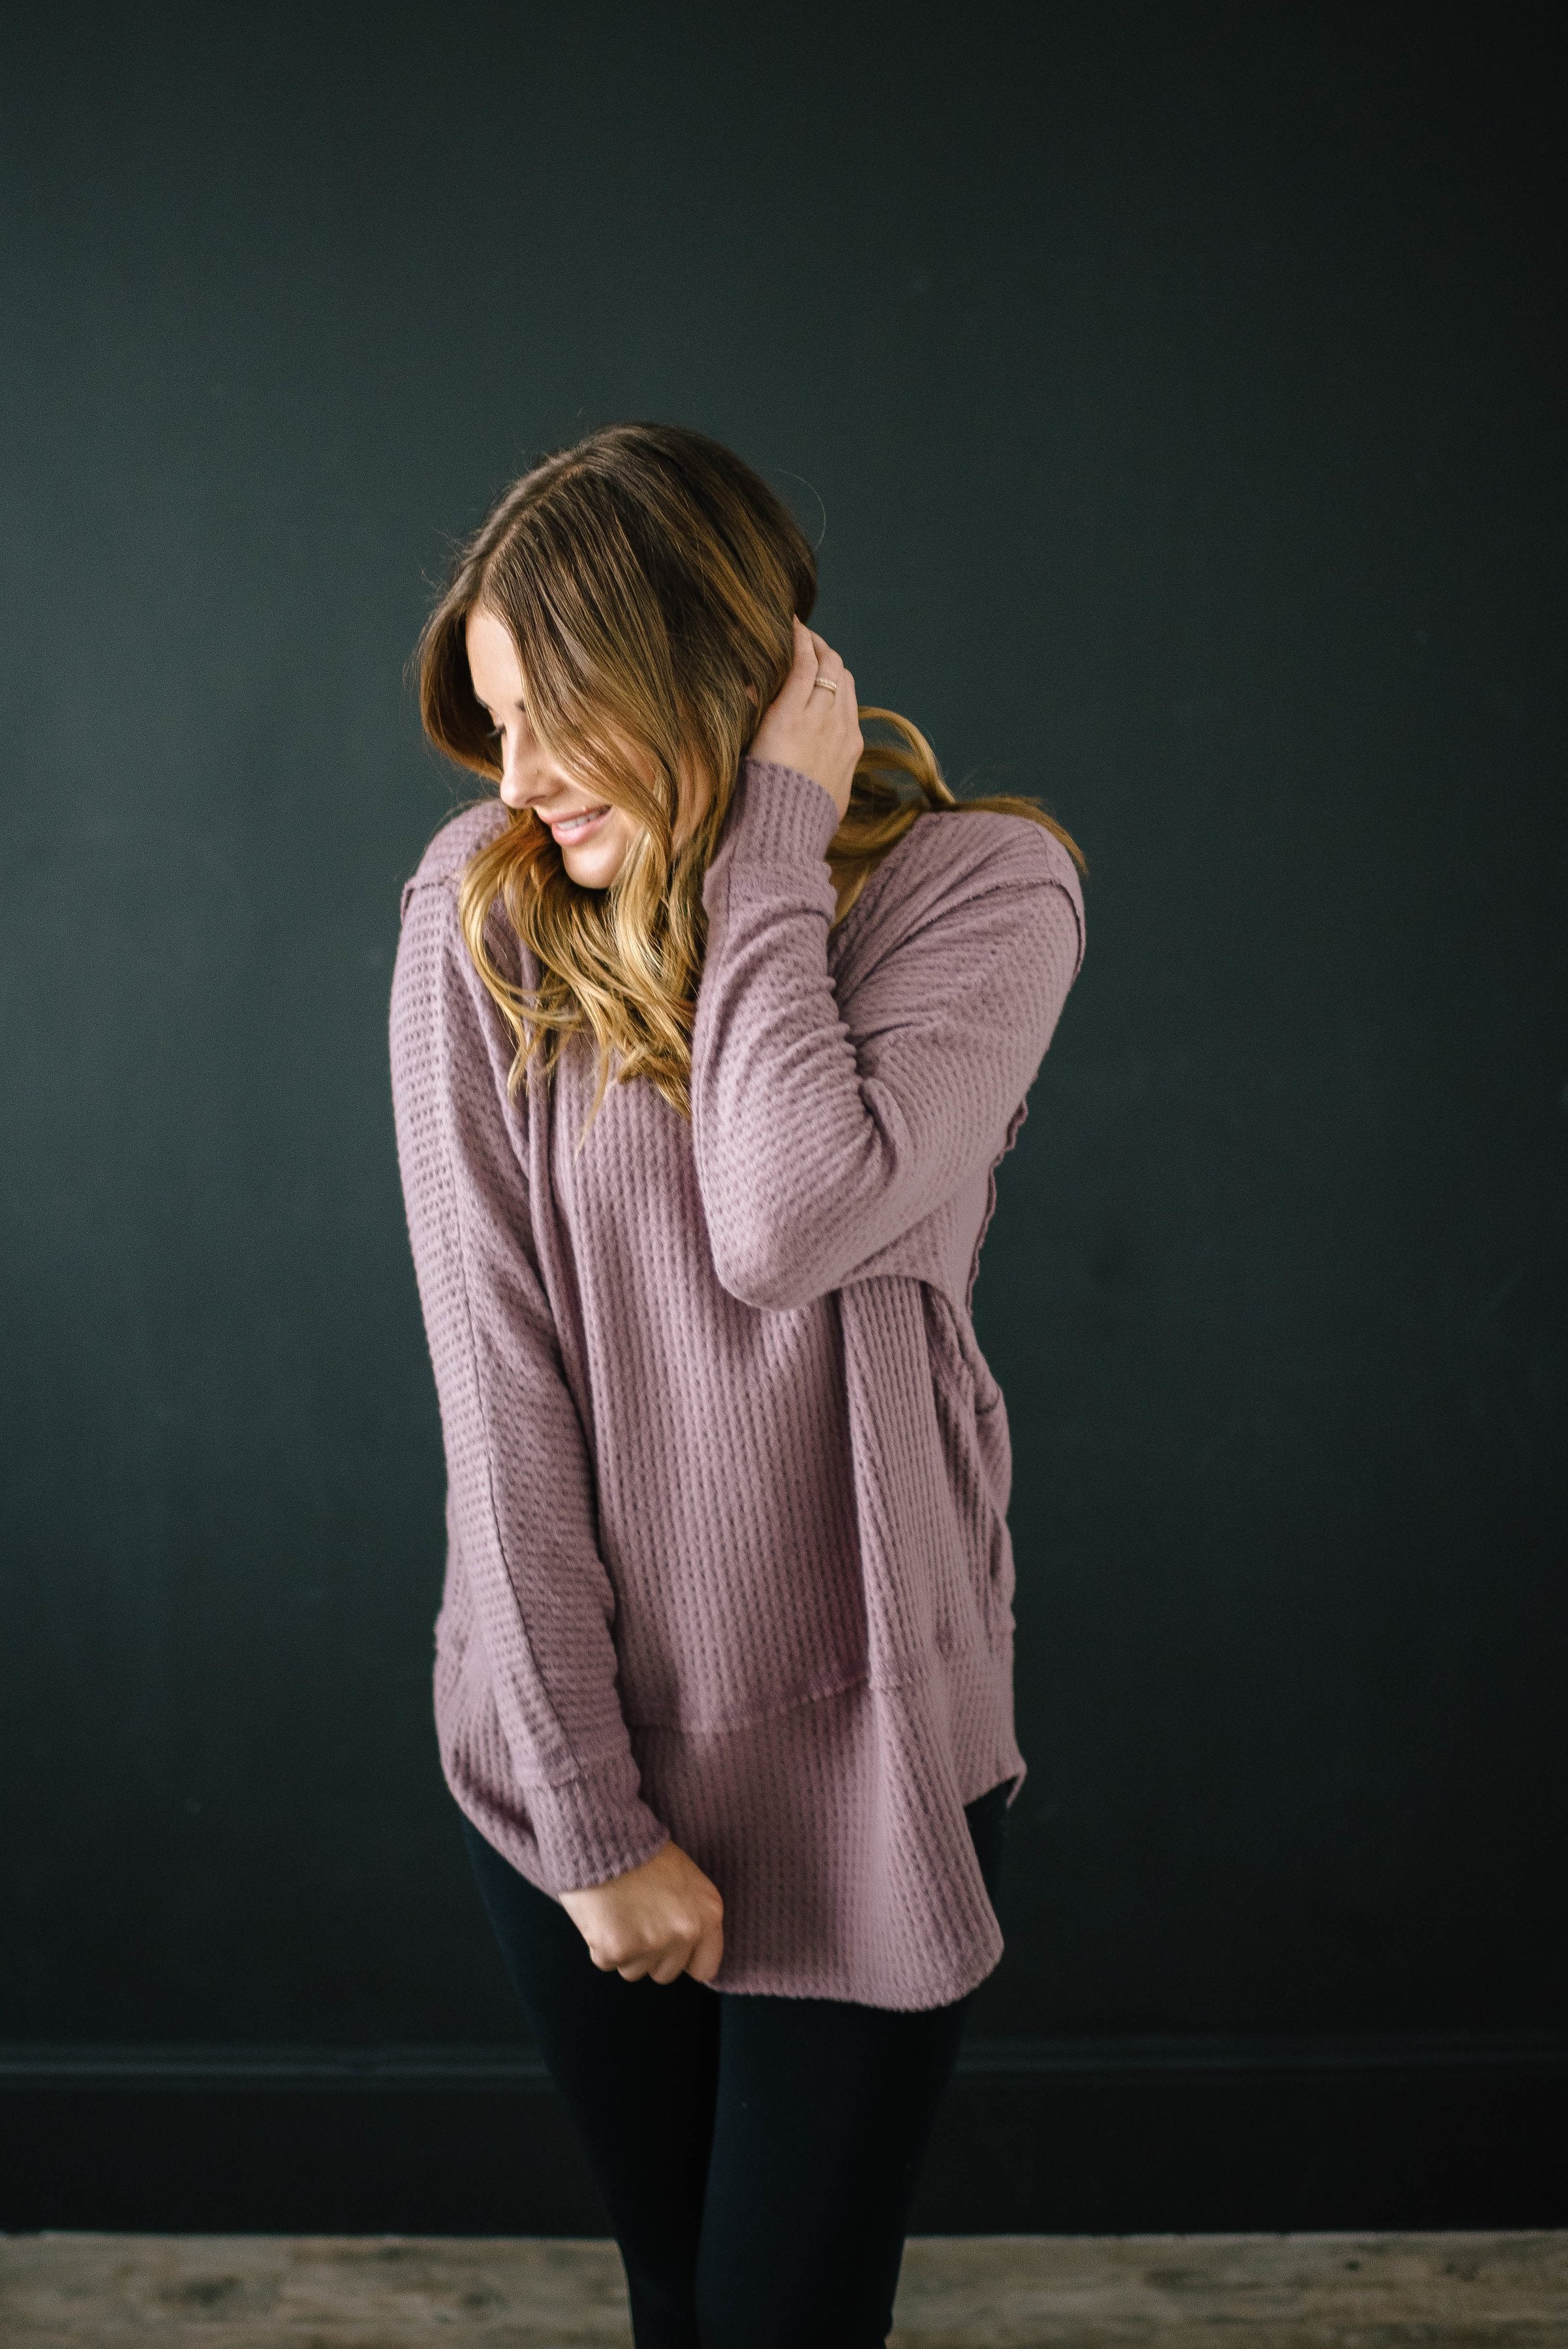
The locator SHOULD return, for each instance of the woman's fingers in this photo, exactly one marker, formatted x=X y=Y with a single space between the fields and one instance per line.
x=650 y=1920
x=701 y=1957
x=830 y=664
x=812 y=724
x=833 y=683
x=814 y=658
x=699 y=1954
x=803 y=668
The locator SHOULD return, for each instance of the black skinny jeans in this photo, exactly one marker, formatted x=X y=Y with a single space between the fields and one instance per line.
x=758 y=2155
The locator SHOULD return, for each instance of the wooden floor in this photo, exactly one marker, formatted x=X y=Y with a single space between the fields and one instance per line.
x=960 y=2292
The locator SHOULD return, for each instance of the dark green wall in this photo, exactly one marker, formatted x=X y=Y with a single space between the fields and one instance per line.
x=1181 y=388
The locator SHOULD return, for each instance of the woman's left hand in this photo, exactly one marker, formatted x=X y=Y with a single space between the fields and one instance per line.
x=812 y=724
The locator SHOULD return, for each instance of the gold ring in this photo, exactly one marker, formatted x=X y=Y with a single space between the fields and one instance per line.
x=826 y=684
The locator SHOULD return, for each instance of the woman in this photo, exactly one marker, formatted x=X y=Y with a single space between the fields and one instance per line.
x=723 y=1663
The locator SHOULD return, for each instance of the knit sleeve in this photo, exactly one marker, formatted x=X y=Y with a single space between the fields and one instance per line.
x=520 y=1483
x=823 y=1128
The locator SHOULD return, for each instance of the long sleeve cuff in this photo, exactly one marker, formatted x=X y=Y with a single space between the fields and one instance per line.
x=779 y=817
x=593 y=1827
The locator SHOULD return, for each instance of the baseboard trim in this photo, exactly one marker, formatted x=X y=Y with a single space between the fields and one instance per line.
x=1058 y=2136
x=227 y=2069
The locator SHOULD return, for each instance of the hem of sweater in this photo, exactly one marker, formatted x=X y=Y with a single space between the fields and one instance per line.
x=835 y=1830
x=836 y=1833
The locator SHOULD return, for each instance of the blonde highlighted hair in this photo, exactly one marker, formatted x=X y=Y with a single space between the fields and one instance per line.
x=647 y=577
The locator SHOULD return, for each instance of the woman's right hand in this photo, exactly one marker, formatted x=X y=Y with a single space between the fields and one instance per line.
x=663 y=1919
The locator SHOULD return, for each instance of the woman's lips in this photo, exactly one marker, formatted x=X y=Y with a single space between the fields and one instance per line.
x=577 y=827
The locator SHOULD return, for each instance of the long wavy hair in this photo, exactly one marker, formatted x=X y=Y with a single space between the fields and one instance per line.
x=647 y=577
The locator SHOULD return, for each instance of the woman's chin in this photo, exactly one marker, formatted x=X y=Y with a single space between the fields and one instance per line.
x=595 y=864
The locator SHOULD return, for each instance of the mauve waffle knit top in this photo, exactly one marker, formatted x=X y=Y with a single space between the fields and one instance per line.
x=727 y=1472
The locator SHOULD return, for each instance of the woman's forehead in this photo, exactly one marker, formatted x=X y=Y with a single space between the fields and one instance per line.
x=492 y=655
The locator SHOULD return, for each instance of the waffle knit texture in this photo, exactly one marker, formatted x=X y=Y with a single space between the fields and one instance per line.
x=727 y=1472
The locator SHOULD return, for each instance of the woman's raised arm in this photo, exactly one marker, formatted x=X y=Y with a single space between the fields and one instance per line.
x=825 y=1129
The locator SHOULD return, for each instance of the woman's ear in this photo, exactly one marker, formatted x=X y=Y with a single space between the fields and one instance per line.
x=751 y=695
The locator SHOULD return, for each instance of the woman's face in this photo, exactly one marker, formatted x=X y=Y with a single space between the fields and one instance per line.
x=592 y=851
